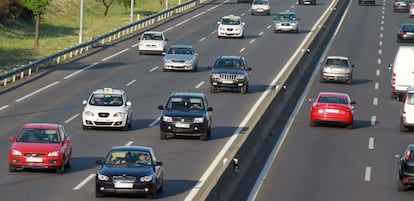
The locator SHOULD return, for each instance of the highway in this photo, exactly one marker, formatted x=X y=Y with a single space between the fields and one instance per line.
x=330 y=163
x=56 y=97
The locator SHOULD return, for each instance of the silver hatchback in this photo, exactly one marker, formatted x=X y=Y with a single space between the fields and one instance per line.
x=336 y=68
x=286 y=22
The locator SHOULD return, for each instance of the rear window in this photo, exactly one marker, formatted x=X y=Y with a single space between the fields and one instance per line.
x=332 y=99
x=336 y=62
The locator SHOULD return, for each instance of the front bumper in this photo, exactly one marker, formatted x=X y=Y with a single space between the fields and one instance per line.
x=236 y=83
x=190 y=129
x=136 y=188
x=178 y=66
x=45 y=162
x=225 y=33
x=104 y=122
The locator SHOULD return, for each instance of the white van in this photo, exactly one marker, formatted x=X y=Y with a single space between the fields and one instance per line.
x=407 y=111
x=402 y=71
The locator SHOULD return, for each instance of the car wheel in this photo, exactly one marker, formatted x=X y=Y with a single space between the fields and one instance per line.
x=400 y=185
x=12 y=168
x=84 y=127
x=68 y=163
x=99 y=194
x=140 y=53
x=203 y=136
x=213 y=89
x=194 y=69
x=321 y=80
x=153 y=194
x=60 y=169
x=268 y=12
x=244 y=89
x=252 y=13
x=162 y=135
x=160 y=189
x=402 y=127
x=297 y=31
x=350 y=126
x=349 y=81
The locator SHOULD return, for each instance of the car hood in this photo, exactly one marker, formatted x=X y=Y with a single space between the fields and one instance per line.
x=110 y=109
x=33 y=147
x=179 y=56
x=142 y=170
x=227 y=70
x=230 y=26
x=178 y=113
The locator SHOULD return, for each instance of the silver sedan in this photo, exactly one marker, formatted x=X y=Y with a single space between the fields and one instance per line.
x=180 y=57
x=286 y=22
x=336 y=68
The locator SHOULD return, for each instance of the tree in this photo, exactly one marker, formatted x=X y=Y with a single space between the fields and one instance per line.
x=38 y=7
x=107 y=4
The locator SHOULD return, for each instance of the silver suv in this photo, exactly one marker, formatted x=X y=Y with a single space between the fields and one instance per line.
x=230 y=72
x=407 y=111
x=337 y=68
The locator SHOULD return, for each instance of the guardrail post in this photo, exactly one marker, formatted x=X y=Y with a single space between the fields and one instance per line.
x=22 y=75
x=29 y=72
x=14 y=78
x=5 y=82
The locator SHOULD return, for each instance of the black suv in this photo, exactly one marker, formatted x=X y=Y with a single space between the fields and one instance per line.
x=230 y=72
x=406 y=168
x=186 y=114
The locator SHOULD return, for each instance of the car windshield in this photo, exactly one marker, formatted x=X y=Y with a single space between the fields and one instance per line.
x=152 y=36
x=185 y=103
x=229 y=64
x=261 y=2
x=38 y=135
x=180 y=50
x=286 y=17
x=332 y=99
x=336 y=62
x=230 y=21
x=135 y=158
x=106 y=99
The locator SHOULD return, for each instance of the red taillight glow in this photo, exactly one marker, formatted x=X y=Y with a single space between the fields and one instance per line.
x=348 y=70
x=395 y=3
x=401 y=32
x=393 y=79
x=405 y=180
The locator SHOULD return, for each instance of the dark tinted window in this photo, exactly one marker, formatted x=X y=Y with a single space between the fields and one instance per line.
x=185 y=103
x=336 y=62
x=229 y=63
x=332 y=99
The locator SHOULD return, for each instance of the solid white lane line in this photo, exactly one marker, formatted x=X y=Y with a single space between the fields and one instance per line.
x=131 y=82
x=153 y=69
x=129 y=143
x=367 y=174
x=371 y=143
x=378 y=72
x=243 y=14
x=252 y=40
x=79 y=71
x=72 y=118
x=376 y=87
x=114 y=55
x=4 y=107
x=181 y=23
x=373 y=120
x=202 y=13
x=37 y=91
x=203 y=38
x=154 y=122
x=241 y=50
x=199 y=84
x=375 y=102
x=261 y=33
x=168 y=29
x=135 y=45
x=382 y=28
x=86 y=180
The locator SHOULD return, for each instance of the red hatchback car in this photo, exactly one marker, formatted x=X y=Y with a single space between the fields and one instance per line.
x=332 y=108
x=40 y=145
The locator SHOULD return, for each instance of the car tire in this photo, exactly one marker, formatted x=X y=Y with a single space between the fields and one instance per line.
x=244 y=89
x=350 y=126
x=403 y=128
x=12 y=168
x=163 y=136
x=213 y=89
x=203 y=136
x=268 y=12
x=84 y=127
x=321 y=80
x=99 y=194
x=160 y=189
x=140 y=53
x=297 y=31
x=400 y=185
x=60 y=169
x=349 y=81
x=68 y=163
x=153 y=194
x=393 y=95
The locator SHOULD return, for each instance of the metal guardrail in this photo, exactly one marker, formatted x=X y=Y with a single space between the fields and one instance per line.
x=69 y=53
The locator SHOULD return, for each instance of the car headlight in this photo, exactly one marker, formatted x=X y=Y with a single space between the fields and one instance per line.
x=167 y=60
x=222 y=29
x=292 y=24
x=215 y=76
x=188 y=62
x=16 y=152
x=102 y=177
x=119 y=114
x=239 y=77
x=53 y=153
x=147 y=178
x=88 y=113
x=166 y=119
x=198 y=120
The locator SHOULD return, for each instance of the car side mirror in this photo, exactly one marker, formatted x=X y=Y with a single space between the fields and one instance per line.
x=353 y=102
x=243 y=23
x=353 y=65
x=397 y=156
x=209 y=108
x=311 y=99
x=99 y=162
x=218 y=23
x=12 y=139
x=390 y=66
x=84 y=102
x=66 y=141
x=158 y=163
x=160 y=107
x=249 y=69
x=166 y=39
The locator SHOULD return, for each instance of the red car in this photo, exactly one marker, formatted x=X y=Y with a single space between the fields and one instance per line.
x=40 y=145
x=332 y=108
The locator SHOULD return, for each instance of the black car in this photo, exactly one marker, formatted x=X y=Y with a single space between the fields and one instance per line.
x=402 y=5
x=229 y=72
x=405 y=32
x=366 y=2
x=130 y=170
x=186 y=114
x=406 y=168
x=302 y=2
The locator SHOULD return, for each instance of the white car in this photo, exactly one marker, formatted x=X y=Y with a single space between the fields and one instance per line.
x=107 y=108
x=152 y=42
x=260 y=7
x=411 y=11
x=230 y=26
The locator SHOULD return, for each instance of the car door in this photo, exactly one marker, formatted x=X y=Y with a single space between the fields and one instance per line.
x=65 y=147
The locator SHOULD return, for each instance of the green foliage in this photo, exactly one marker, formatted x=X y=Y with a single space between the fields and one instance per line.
x=10 y=9
x=37 y=6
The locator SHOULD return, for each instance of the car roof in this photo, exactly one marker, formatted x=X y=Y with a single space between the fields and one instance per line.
x=337 y=57
x=333 y=94
x=41 y=125
x=153 y=32
x=188 y=94
x=181 y=46
x=131 y=148
x=108 y=91
x=232 y=16
x=286 y=12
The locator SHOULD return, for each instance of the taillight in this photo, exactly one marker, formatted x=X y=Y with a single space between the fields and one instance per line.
x=401 y=32
x=405 y=180
x=395 y=3
x=324 y=70
x=393 y=79
x=407 y=155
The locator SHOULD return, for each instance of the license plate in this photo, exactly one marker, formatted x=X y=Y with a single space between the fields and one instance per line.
x=182 y=125
x=34 y=159
x=332 y=111
x=227 y=81
x=103 y=120
x=123 y=185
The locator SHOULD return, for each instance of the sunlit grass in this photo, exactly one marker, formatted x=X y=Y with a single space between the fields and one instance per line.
x=60 y=28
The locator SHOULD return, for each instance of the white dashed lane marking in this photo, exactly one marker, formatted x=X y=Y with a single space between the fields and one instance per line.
x=4 y=107
x=367 y=176
x=37 y=91
x=153 y=69
x=373 y=120
x=199 y=84
x=371 y=143
x=71 y=118
x=131 y=82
